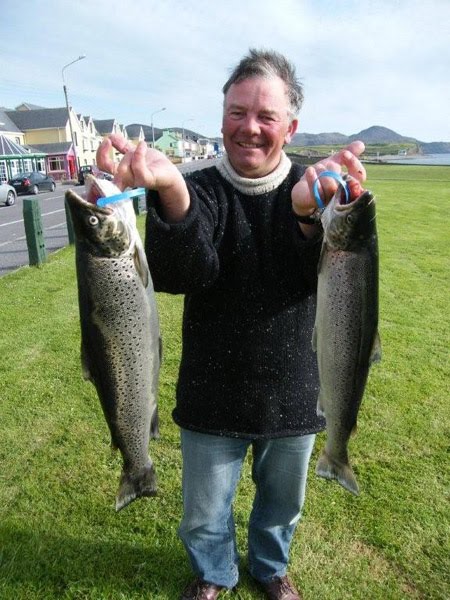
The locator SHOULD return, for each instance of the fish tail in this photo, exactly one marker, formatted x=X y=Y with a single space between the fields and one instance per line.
x=133 y=486
x=342 y=472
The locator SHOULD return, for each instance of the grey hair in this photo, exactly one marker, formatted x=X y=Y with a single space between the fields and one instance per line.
x=268 y=63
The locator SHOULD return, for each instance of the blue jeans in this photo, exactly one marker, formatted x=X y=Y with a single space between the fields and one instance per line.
x=211 y=470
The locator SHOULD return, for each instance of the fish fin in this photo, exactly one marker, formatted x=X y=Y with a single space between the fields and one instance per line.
x=323 y=251
x=154 y=425
x=314 y=339
x=375 y=355
x=320 y=407
x=85 y=366
x=342 y=472
x=140 y=261
x=136 y=486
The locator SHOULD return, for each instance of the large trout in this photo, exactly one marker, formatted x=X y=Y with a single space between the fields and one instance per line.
x=346 y=328
x=120 y=341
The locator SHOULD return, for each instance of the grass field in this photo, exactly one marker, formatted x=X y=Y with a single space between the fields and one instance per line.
x=60 y=537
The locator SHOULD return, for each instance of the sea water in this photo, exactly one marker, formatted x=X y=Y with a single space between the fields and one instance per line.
x=423 y=159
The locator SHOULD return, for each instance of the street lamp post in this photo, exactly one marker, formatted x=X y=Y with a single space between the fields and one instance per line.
x=68 y=109
x=153 y=131
x=182 y=136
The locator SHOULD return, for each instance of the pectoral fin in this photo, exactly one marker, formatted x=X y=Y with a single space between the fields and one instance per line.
x=375 y=355
x=85 y=364
x=140 y=261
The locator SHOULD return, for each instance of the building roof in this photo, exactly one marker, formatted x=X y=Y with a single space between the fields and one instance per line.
x=44 y=118
x=148 y=136
x=134 y=130
x=10 y=149
x=6 y=124
x=104 y=126
x=28 y=106
x=54 y=148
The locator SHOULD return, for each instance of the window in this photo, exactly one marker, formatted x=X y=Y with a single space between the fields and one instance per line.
x=56 y=163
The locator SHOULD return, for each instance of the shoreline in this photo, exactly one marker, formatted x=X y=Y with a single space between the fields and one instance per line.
x=432 y=159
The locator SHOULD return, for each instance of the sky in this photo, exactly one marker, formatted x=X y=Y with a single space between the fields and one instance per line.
x=361 y=62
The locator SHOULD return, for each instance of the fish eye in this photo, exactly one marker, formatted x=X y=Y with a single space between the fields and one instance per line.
x=93 y=220
x=350 y=218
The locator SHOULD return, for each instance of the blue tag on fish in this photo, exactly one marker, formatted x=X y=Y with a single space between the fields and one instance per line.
x=335 y=176
x=118 y=197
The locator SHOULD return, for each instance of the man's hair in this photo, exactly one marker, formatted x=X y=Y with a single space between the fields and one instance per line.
x=268 y=63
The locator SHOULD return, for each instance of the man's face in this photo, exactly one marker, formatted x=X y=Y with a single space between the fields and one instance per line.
x=256 y=125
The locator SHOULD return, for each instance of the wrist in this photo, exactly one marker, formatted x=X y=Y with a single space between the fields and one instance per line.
x=311 y=219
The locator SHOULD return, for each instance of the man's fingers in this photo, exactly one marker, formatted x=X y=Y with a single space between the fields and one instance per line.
x=354 y=166
x=357 y=147
x=103 y=156
x=123 y=171
x=348 y=158
x=141 y=166
x=121 y=144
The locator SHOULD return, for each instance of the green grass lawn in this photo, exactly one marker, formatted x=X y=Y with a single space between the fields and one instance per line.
x=60 y=537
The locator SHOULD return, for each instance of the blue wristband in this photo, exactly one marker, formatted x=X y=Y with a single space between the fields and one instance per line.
x=335 y=176
x=118 y=197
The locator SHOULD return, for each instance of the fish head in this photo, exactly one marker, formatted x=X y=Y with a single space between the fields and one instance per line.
x=103 y=229
x=96 y=188
x=348 y=225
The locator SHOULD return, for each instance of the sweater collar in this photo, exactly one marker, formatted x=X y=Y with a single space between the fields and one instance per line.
x=254 y=187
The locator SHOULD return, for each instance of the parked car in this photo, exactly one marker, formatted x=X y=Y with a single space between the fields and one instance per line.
x=32 y=182
x=7 y=194
x=86 y=169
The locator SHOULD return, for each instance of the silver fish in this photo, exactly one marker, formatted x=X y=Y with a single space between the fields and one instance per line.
x=346 y=328
x=120 y=339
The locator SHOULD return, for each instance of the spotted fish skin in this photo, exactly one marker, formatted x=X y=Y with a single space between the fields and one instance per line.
x=120 y=340
x=346 y=328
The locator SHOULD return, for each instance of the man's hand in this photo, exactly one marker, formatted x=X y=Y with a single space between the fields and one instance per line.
x=303 y=202
x=145 y=167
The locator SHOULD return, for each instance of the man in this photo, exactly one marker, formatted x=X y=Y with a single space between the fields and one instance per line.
x=238 y=240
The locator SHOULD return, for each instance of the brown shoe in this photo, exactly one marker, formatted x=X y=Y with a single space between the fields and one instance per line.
x=201 y=590
x=280 y=588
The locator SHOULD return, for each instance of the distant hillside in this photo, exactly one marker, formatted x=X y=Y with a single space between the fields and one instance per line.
x=435 y=147
x=380 y=135
x=318 y=139
x=372 y=135
x=147 y=129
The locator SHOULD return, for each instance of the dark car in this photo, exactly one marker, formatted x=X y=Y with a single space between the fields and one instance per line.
x=32 y=182
x=7 y=194
x=83 y=171
x=86 y=169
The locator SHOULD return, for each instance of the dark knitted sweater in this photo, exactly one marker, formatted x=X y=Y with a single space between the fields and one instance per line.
x=249 y=279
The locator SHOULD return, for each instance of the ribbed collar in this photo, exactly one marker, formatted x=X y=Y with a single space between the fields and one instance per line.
x=254 y=187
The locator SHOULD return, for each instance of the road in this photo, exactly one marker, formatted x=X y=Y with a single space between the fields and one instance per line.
x=13 y=245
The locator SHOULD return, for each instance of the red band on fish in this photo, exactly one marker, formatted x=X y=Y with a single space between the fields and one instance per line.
x=335 y=176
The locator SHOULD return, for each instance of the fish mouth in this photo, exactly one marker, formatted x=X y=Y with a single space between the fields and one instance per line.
x=354 y=194
x=341 y=206
x=76 y=200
